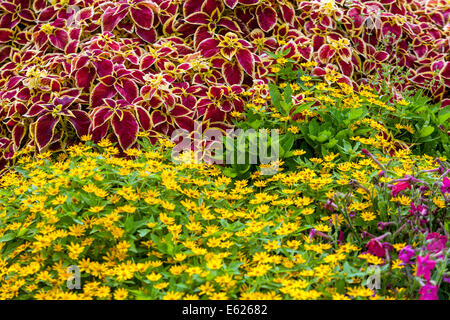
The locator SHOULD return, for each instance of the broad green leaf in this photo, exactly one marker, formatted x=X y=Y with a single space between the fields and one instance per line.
x=426 y=131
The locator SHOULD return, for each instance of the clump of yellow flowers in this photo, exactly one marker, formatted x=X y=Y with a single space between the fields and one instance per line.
x=145 y=227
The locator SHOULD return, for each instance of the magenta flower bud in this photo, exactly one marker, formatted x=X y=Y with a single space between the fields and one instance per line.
x=436 y=243
x=402 y=185
x=312 y=233
x=445 y=188
x=376 y=248
x=425 y=266
x=406 y=254
x=429 y=292
x=446 y=278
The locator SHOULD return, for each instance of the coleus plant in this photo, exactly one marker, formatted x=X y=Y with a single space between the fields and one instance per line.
x=208 y=53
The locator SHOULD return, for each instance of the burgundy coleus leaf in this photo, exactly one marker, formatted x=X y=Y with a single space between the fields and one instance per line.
x=267 y=17
x=209 y=47
x=180 y=110
x=99 y=133
x=191 y=6
x=147 y=62
x=143 y=118
x=229 y=23
x=393 y=31
x=158 y=118
x=5 y=35
x=127 y=89
x=45 y=130
x=104 y=68
x=231 y=3
x=101 y=115
x=232 y=73
x=248 y=2
x=35 y=110
x=84 y=77
x=246 y=60
x=326 y=53
x=200 y=18
x=146 y=35
x=81 y=122
x=100 y=92
x=112 y=16
x=125 y=128
x=186 y=123
x=59 y=39
x=346 y=67
x=142 y=15
x=18 y=134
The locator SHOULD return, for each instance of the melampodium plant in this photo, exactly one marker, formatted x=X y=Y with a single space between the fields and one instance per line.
x=146 y=228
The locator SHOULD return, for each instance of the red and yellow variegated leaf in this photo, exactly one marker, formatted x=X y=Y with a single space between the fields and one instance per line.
x=142 y=15
x=27 y=14
x=84 y=77
x=179 y=110
x=209 y=47
x=100 y=132
x=288 y=13
x=214 y=114
x=158 y=118
x=101 y=115
x=101 y=92
x=198 y=18
x=5 y=35
x=228 y=53
x=45 y=130
x=267 y=17
x=230 y=24
x=35 y=110
x=126 y=129
x=147 y=62
x=81 y=122
x=248 y=2
x=186 y=123
x=346 y=68
x=191 y=6
x=231 y=3
x=146 y=35
x=59 y=39
x=104 y=67
x=143 y=118
x=326 y=53
x=18 y=134
x=246 y=60
x=232 y=73
x=111 y=18
x=127 y=89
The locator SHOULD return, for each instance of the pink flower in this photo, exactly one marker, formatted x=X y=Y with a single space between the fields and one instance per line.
x=424 y=267
x=437 y=243
x=429 y=292
x=402 y=185
x=406 y=254
x=445 y=188
x=376 y=248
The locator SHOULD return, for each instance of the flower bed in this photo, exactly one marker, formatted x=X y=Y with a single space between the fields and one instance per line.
x=144 y=227
x=94 y=93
